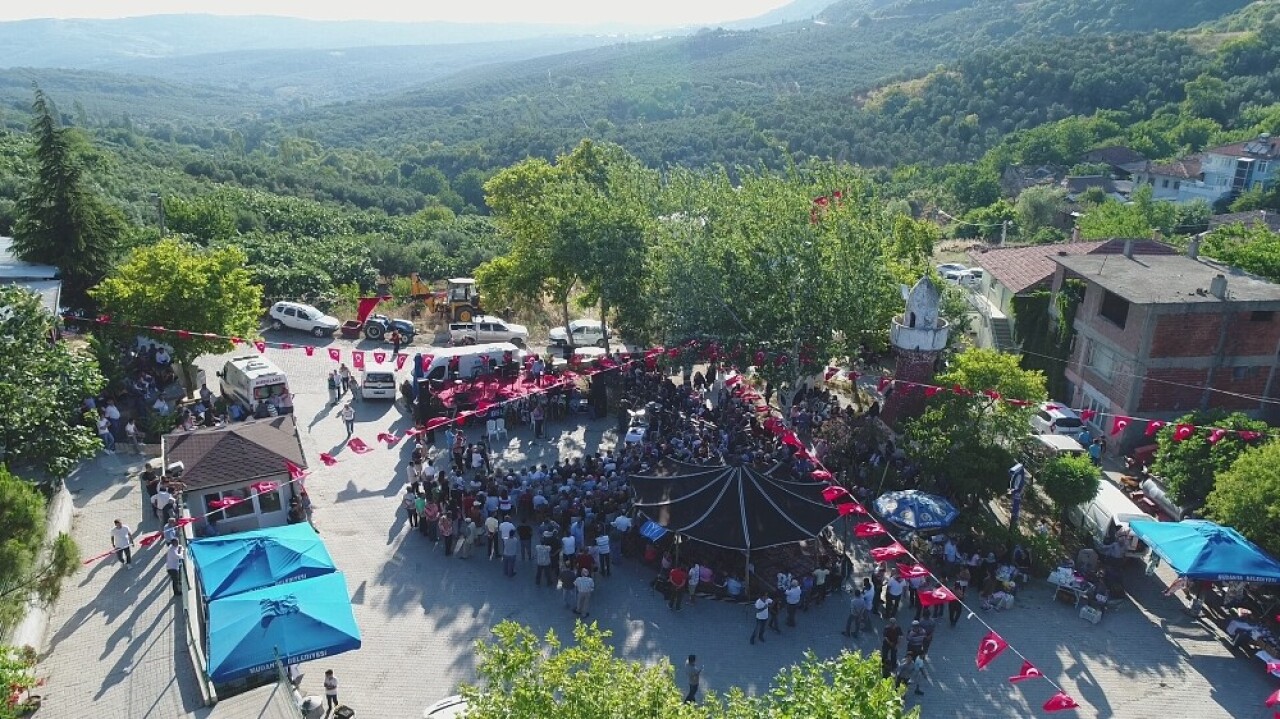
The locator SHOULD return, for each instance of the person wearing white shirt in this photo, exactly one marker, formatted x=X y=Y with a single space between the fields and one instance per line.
x=162 y=357
x=893 y=595
x=762 y=617
x=122 y=542
x=173 y=565
x=793 y=594
x=568 y=546
x=604 y=554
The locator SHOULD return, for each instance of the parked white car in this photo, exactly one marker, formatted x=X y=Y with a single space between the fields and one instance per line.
x=585 y=333
x=943 y=269
x=297 y=316
x=486 y=329
x=964 y=278
x=1053 y=418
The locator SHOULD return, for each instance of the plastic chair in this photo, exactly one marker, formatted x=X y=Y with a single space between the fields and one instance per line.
x=491 y=429
x=500 y=427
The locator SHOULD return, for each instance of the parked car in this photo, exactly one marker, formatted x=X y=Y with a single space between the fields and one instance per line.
x=453 y=707
x=1056 y=419
x=585 y=333
x=487 y=328
x=378 y=381
x=943 y=269
x=1101 y=519
x=297 y=316
x=964 y=278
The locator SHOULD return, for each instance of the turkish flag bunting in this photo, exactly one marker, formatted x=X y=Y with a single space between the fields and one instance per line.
x=1248 y=435
x=328 y=459
x=1217 y=436
x=733 y=380
x=212 y=336
x=1273 y=667
x=957 y=389
x=930 y=391
x=1018 y=402
x=264 y=487
x=158 y=328
x=936 y=596
x=674 y=352
x=236 y=341
x=335 y=355
x=389 y=438
x=831 y=372
x=262 y=346
x=295 y=472
x=96 y=557
x=1028 y=671
x=990 y=648
x=1154 y=426
x=1120 y=424
x=184 y=335
x=991 y=394
x=912 y=571
x=850 y=508
x=379 y=357
x=867 y=530
x=1183 y=432
x=437 y=422
x=311 y=351
x=358 y=446
x=286 y=346
x=103 y=319
x=1059 y=702
x=833 y=493
x=883 y=384
x=400 y=361
x=884 y=554
x=149 y=539
x=1274 y=699
x=357 y=359
x=1088 y=414
x=821 y=475
x=414 y=432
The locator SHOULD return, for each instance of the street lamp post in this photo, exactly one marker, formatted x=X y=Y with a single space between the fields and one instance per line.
x=1017 y=482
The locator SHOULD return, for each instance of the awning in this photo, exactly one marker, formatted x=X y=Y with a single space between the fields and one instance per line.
x=1202 y=550
x=300 y=622
x=261 y=558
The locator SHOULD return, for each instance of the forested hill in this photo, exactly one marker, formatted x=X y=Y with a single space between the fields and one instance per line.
x=739 y=97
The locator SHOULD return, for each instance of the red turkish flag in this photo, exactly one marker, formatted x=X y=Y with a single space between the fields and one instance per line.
x=264 y=487
x=400 y=361
x=328 y=459
x=379 y=357
x=884 y=554
x=414 y=432
x=912 y=571
x=1248 y=435
x=866 y=530
x=990 y=648
x=1217 y=436
x=883 y=384
x=1154 y=426
x=437 y=422
x=850 y=508
x=1183 y=432
x=1087 y=414
x=311 y=351
x=389 y=438
x=295 y=472
x=821 y=475
x=236 y=341
x=335 y=355
x=357 y=359
x=833 y=493
x=937 y=595
x=1274 y=699
x=830 y=372
x=1120 y=424
x=149 y=539
x=1028 y=671
x=1059 y=702
x=963 y=392
x=930 y=391
x=991 y=394
x=733 y=380
x=184 y=334
x=1018 y=402
x=759 y=358
x=262 y=346
x=358 y=446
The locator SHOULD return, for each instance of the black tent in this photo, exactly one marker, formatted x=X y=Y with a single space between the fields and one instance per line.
x=735 y=507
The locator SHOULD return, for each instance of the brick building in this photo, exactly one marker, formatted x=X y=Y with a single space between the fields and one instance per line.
x=1159 y=336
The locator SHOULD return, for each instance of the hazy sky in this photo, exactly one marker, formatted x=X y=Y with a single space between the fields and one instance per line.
x=642 y=12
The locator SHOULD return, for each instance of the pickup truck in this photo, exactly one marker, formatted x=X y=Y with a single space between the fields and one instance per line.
x=485 y=329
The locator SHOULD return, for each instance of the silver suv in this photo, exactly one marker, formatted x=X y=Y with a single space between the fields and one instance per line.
x=297 y=316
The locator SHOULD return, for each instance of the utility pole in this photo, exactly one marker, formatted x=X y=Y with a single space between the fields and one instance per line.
x=1017 y=481
x=1004 y=232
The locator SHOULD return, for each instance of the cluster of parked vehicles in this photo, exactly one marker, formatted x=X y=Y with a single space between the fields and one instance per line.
x=960 y=275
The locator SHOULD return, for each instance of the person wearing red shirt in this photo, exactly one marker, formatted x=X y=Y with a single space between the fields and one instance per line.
x=679 y=578
x=585 y=561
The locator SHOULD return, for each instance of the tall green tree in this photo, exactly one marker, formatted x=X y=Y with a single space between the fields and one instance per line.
x=42 y=384
x=523 y=676
x=1069 y=480
x=962 y=439
x=1189 y=467
x=1255 y=249
x=1247 y=496
x=180 y=286
x=62 y=221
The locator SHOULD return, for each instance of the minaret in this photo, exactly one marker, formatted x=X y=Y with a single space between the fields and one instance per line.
x=917 y=337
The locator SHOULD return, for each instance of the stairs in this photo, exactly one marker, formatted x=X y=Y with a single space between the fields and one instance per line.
x=1002 y=334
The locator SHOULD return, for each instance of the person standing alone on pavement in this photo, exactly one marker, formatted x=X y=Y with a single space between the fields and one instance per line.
x=330 y=691
x=122 y=542
x=173 y=565
x=349 y=418
x=763 y=603
x=694 y=671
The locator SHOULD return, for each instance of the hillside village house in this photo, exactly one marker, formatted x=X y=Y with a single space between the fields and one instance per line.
x=1215 y=173
x=40 y=279
x=1156 y=333
x=228 y=461
x=1019 y=271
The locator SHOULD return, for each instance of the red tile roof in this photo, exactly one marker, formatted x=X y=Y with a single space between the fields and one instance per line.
x=1021 y=269
x=1187 y=168
x=235 y=453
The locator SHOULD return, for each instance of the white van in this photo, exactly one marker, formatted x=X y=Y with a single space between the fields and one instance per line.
x=378 y=381
x=1100 y=518
x=469 y=364
x=252 y=379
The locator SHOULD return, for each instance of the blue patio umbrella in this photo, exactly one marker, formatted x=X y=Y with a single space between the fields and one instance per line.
x=261 y=558
x=300 y=621
x=915 y=510
x=1202 y=550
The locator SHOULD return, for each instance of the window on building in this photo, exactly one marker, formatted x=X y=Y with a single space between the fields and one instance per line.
x=1115 y=308
x=1262 y=316
x=1100 y=410
x=270 y=502
x=1164 y=183
x=1102 y=361
x=1176 y=184
x=1239 y=373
